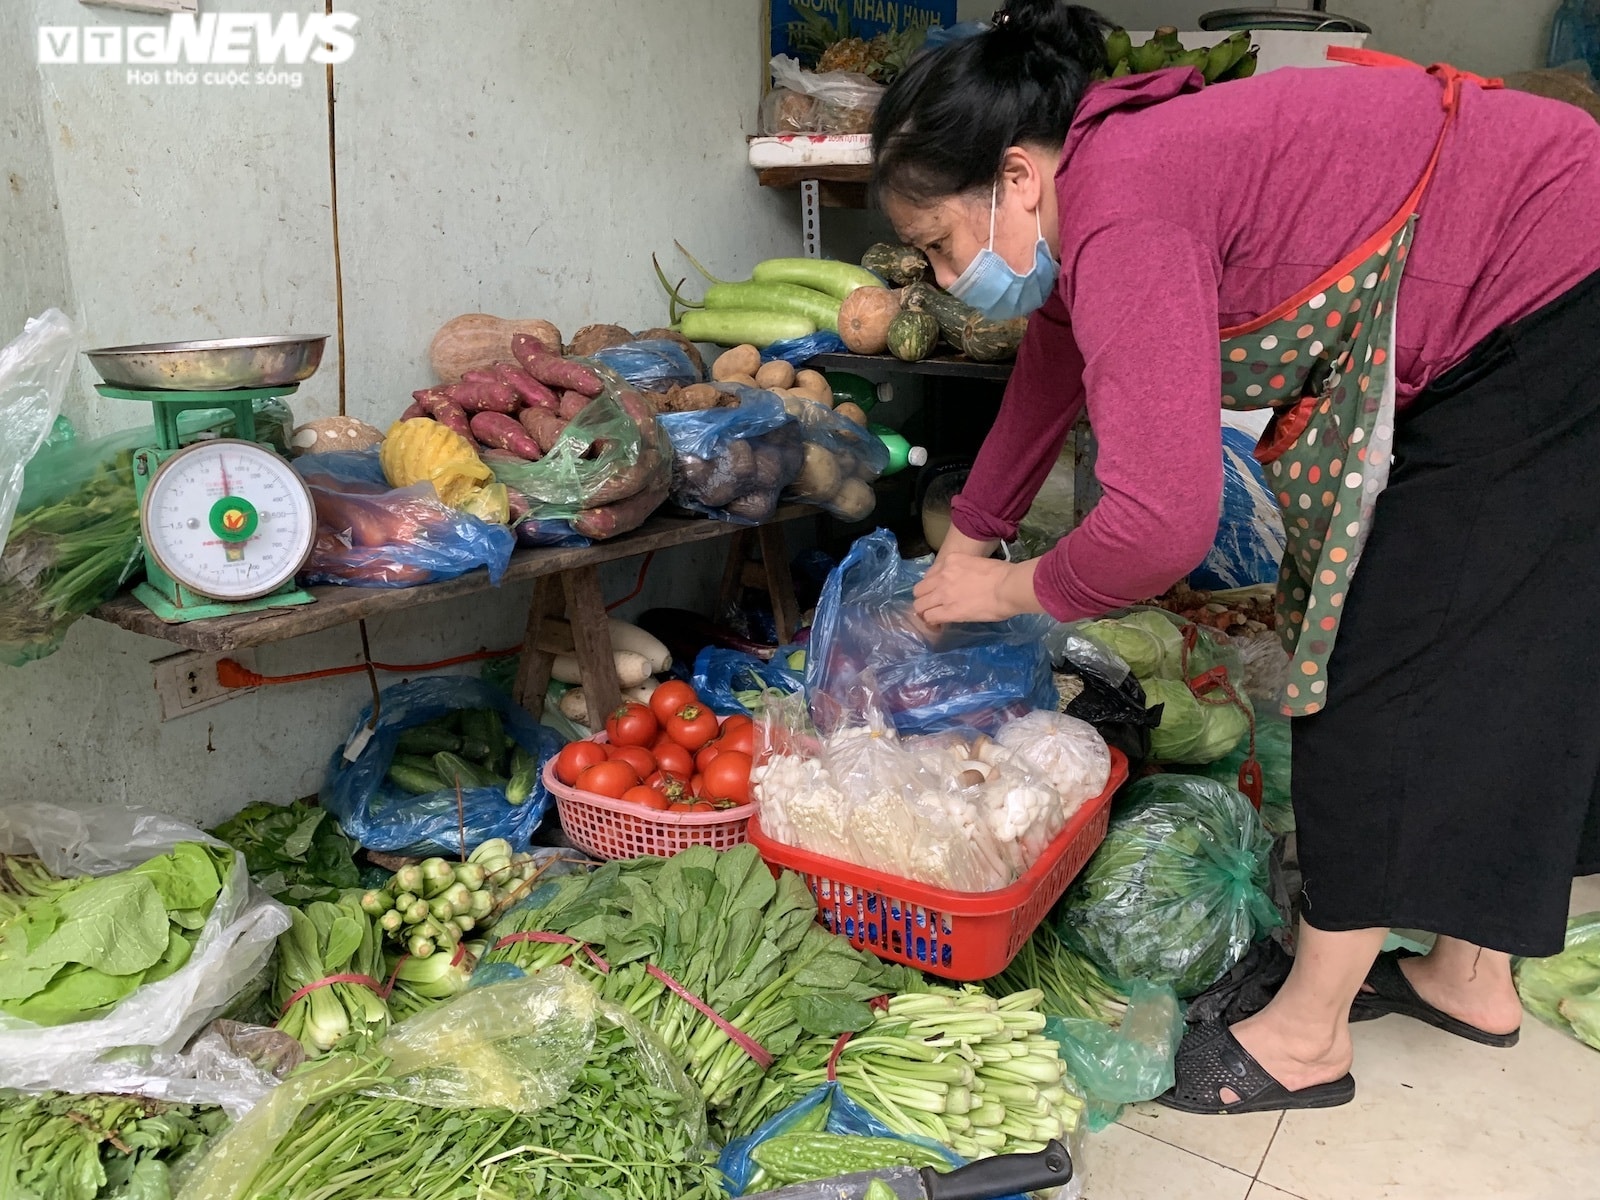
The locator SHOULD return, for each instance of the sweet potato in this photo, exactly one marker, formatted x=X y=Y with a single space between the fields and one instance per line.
x=527 y=388
x=504 y=433
x=484 y=392
x=597 y=337
x=571 y=404
x=696 y=397
x=551 y=369
x=452 y=416
x=414 y=409
x=543 y=426
x=624 y=515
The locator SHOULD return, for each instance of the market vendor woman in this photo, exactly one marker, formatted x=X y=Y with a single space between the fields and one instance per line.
x=1405 y=268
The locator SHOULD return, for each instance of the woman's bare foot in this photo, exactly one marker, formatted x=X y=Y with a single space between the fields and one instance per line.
x=1469 y=983
x=1296 y=1052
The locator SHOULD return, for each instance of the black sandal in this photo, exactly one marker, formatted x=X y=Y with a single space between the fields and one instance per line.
x=1392 y=993
x=1210 y=1058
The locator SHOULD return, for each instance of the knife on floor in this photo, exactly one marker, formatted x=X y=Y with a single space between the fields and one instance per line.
x=986 y=1179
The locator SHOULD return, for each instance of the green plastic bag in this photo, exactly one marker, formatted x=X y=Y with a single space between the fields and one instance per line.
x=1126 y=1062
x=1273 y=752
x=1564 y=990
x=1178 y=890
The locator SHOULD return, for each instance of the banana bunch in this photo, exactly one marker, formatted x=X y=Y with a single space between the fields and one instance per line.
x=1232 y=58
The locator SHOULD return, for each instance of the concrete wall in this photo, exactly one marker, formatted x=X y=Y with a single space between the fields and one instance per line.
x=492 y=155
x=1488 y=36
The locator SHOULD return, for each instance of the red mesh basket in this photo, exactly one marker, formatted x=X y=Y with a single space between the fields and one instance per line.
x=607 y=828
x=957 y=935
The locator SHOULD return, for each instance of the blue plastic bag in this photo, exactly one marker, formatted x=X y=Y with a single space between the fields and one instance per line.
x=372 y=535
x=534 y=530
x=383 y=817
x=971 y=676
x=938 y=36
x=802 y=350
x=653 y=365
x=720 y=676
x=732 y=463
x=1250 y=542
x=845 y=1117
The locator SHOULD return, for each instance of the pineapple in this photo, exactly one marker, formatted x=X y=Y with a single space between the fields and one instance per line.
x=848 y=54
x=830 y=46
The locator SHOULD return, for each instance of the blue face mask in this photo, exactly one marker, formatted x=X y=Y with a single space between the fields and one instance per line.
x=994 y=289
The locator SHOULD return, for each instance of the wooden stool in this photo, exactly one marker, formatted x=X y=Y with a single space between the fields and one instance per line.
x=771 y=575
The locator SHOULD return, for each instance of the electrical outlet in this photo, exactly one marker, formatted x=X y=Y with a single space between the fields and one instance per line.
x=188 y=682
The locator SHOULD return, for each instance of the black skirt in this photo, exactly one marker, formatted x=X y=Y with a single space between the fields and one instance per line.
x=1453 y=782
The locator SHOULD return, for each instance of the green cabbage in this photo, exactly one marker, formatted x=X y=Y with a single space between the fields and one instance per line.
x=1191 y=730
x=1147 y=640
x=1564 y=990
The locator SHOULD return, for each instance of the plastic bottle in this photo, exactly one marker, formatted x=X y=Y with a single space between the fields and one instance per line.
x=902 y=454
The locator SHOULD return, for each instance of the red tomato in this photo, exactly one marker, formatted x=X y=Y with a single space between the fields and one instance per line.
x=632 y=725
x=736 y=722
x=697 y=785
x=637 y=757
x=669 y=697
x=675 y=760
x=692 y=726
x=645 y=797
x=702 y=806
x=692 y=806
x=706 y=753
x=662 y=739
x=575 y=758
x=728 y=777
x=673 y=787
x=681 y=806
x=741 y=739
x=608 y=779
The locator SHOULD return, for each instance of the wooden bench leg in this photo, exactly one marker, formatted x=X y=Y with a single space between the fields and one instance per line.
x=533 y=671
x=591 y=638
x=780 y=582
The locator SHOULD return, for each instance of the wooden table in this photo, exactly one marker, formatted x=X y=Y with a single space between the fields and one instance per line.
x=567 y=615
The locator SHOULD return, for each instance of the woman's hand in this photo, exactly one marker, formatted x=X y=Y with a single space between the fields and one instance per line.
x=957 y=544
x=964 y=587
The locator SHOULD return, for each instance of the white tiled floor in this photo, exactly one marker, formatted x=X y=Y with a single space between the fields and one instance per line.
x=1435 y=1118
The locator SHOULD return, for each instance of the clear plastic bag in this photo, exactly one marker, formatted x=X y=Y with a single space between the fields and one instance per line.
x=653 y=365
x=34 y=371
x=381 y=816
x=732 y=463
x=612 y=452
x=372 y=535
x=1177 y=892
x=518 y=1045
x=974 y=676
x=135 y=1046
x=1127 y=1062
x=731 y=681
x=1564 y=991
x=841 y=461
x=1070 y=753
x=803 y=101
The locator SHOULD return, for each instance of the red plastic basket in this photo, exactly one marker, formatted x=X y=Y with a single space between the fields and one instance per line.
x=607 y=828
x=957 y=935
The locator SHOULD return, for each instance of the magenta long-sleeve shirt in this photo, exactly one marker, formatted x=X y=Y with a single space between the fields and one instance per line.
x=1184 y=212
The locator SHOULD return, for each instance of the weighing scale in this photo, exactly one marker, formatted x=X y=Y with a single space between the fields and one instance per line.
x=226 y=522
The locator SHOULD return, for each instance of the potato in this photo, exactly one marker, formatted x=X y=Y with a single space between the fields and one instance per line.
x=696 y=398
x=853 y=412
x=855 y=500
x=748 y=381
x=819 y=474
x=741 y=360
x=779 y=373
x=741 y=460
x=815 y=386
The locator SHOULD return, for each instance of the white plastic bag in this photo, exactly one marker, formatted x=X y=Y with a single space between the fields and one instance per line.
x=804 y=101
x=1071 y=754
x=34 y=370
x=136 y=1046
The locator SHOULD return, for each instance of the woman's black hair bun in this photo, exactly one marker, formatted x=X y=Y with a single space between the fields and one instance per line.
x=1054 y=33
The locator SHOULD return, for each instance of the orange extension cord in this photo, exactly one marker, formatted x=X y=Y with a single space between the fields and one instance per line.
x=232 y=674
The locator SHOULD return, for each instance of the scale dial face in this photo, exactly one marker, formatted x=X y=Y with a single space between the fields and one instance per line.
x=228 y=519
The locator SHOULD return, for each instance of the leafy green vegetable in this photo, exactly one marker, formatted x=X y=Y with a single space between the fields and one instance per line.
x=56 y=1147
x=1564 y=990
x=296 y=852
x=85 y=944
x=1148 y=641
x=1193 y=730
x=1177 y=891
x=327 y=939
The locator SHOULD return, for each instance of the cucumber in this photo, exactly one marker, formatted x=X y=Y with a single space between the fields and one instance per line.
x=418 y=781
x=482 y=725
x=452 y=767
x=475 y=750
x=524 y=771
x=427 y=740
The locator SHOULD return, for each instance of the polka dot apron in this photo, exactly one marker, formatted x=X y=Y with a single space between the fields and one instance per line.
x=1323 y=362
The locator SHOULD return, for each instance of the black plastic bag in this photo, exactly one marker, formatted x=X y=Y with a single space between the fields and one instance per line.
x=1111 y=698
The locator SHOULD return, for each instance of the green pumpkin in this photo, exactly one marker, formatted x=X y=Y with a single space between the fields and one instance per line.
x=913 y=335
x=897 y=265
